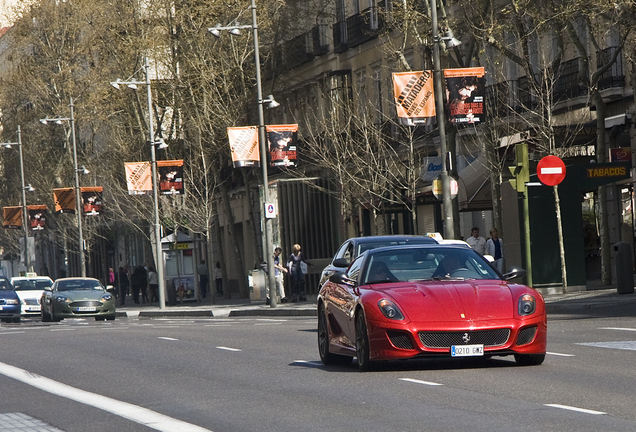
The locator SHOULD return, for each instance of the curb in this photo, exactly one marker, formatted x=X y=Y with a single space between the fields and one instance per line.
x=274 y=312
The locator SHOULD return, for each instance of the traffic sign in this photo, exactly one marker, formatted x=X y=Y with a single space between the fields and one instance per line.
x=551 y=170
x=437 y=187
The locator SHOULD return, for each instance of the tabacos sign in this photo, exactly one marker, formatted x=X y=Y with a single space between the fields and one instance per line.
x=431 y=168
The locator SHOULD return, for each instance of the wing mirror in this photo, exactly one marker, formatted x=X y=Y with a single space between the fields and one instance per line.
x=48 y=288
x=341 y=278
x=341 y=263
x=514 y=272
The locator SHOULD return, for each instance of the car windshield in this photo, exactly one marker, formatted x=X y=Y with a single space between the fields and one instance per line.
x=78 y=284
x=363 y=247
x=31 y=284
x=433 y=263
x=5 y=285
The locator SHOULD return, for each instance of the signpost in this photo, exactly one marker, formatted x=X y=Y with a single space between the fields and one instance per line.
x=551 y=170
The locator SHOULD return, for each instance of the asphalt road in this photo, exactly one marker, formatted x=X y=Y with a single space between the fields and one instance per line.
x=264 y=374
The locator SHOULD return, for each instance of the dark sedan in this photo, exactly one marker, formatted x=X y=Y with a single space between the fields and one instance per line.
x=9 y=302
x=354 y=246
x=428 y=301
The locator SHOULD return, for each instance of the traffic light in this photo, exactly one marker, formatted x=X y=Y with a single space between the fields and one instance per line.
x=520 y=170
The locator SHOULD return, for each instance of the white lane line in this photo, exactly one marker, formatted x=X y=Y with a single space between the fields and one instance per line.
x=267 y=324
x=140 y=415
x=618 y=328
x=11 y=332
x=560 y=354
x=167 y=338
x=62 y=329
x=217 y=325
x=228 y=348
x=571 y=408
x=420 y=382
x=624 y=345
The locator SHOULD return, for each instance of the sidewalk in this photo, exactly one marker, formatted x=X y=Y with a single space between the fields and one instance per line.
x=575 y=302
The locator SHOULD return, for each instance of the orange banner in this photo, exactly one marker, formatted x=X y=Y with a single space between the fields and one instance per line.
x=244 y=146
x=64 y=200
x=138 y=177
x=414 y=98
x=12 y=217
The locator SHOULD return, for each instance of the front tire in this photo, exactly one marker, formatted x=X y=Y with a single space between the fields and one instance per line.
x=327 y=357
x=362 y=343
x=529 y=359
x=46 y=317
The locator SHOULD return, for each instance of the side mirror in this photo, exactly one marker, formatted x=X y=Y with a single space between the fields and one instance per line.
x=341 y=263
x=341 y=278
x=48 y=288
x=514 y=272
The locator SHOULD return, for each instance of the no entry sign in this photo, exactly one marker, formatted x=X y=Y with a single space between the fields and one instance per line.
x=551 y=170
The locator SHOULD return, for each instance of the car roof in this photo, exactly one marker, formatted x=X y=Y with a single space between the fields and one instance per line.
x=76 y=278
x=370 y=239
x=19 y=278
x=435 y=246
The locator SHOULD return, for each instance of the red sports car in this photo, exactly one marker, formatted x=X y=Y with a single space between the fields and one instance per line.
x=402 y=302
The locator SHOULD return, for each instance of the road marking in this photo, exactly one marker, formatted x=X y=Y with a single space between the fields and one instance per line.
x=624 y=345
x=62 y=329
x=228 y=349
x=11 y=332
x=560 y=354
x=618 y=328
x=144 y=416
x=167 y=338
x=571 y=408
x=267 y=324
x=420 y=382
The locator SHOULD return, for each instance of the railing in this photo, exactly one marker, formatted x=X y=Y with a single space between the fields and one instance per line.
x=614 y=76
x=567 y=84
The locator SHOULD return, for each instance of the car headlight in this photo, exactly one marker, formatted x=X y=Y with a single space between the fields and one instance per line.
x=107 y=297
x=62 y=299
x=390 y=310
x=527 y=305
x=12 y=301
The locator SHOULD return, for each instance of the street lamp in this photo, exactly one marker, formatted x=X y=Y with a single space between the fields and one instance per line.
x=271 y=103
x=155 y=187
x=78 y=192
x=25 y=215
x=449 y=225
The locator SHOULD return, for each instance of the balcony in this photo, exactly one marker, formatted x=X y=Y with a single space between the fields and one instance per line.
x=614 y=76
x=357 y=29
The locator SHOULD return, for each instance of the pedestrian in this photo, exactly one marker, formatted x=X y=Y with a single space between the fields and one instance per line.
x=153 y=284
x=111 y=280
x=138 y=280
x=297 y=266
x=477 y=242
x=202 y=269
x=279 y=270
x=218 y=278
x=124 y=283
x=495 y=248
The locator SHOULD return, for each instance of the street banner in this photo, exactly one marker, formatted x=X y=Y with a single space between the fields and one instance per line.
x=138 y=177
x=170 y=177
x=64 y=200
x=37 y=216
x=244 y=146
x=282 y=142
x=414 y=99
x=12 y=217
x=92 y=200
x=465 y=90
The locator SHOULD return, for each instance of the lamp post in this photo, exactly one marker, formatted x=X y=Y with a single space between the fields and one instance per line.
x=25 y=215
x=449 y=224
x=267 y=224
x=78 y=192
x=155 y=185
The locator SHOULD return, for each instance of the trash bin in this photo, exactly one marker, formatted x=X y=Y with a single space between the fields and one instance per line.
x=256 y=282
x=624 y=268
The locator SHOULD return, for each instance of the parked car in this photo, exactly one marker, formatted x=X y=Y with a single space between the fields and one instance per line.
x=75 y=298
x=428 y=301
x=9 y=302
x=354 y=246
x=30 y=289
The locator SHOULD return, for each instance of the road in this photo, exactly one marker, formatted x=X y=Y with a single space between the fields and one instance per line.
x=257 y=374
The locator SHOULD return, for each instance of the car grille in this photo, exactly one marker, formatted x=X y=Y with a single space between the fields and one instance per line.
x=85 y=303
x=489 y=338
x=526 y=335
x=32 y=302
x=400 y=340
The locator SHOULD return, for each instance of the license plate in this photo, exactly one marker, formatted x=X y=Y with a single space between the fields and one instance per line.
x=86 y=309
x=467 y=350
x=1 y=307
x=33 y=308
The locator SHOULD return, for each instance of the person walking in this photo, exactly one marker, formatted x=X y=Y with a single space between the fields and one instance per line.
x=153 y=284
x=297 y=265
x=477 y=242
x=124 y=283
x=111 y=280
x=202 y=270
x=495 y=248
x=218 y=278
x=138 y=280
x=279 y=270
